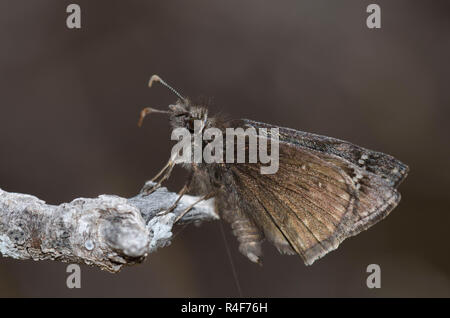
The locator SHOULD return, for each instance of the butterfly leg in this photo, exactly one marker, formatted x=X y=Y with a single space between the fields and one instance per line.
x=184 y=190
x=164 y=174
x=203 y=198
x=174 y=205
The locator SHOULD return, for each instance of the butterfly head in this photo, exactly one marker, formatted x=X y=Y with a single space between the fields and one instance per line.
x=182 y=114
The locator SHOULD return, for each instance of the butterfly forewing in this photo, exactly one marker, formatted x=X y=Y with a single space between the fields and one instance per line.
x=381 y=164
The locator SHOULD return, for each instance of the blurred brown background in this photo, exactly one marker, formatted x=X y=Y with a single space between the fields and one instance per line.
x=70 y=101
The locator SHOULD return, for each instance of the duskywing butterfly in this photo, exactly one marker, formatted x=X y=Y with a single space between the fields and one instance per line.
x=324 y=191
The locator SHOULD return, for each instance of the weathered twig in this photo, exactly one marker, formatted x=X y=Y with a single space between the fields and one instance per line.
x=108 y=232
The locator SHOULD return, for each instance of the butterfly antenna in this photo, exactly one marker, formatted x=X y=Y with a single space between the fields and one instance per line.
x=156 y=78
x=148 y=110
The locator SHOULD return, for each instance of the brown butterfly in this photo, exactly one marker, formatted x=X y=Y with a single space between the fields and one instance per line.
x=324 y=191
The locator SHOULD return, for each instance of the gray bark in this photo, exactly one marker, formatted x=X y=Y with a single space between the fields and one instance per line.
x=108 y=232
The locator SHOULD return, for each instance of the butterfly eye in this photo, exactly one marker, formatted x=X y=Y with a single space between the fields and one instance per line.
x=190 y=125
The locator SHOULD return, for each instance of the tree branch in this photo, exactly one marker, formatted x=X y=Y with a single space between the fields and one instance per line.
x=108 y=232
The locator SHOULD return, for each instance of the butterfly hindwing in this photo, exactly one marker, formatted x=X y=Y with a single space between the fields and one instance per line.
x=309 y=202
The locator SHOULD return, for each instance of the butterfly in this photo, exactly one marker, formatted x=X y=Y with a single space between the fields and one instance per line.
x=324 y=191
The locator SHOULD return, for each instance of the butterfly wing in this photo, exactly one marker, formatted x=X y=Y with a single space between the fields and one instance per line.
x=378 y=163
x=377 y=197
x=309 y=204
x=317 y=198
